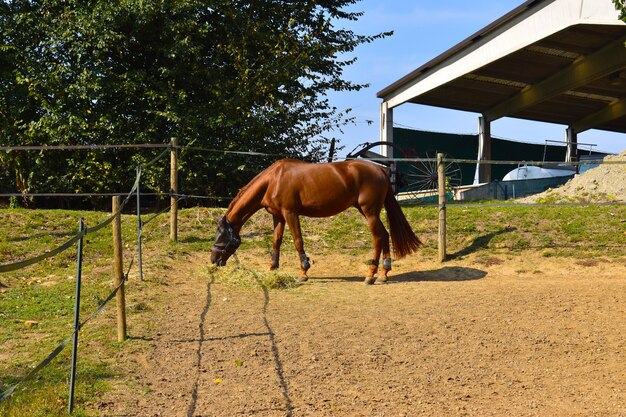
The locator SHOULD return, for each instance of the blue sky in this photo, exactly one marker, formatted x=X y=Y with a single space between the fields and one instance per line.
x=424 y=29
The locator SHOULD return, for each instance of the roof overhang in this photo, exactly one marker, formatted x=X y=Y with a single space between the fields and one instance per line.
x=558 y=61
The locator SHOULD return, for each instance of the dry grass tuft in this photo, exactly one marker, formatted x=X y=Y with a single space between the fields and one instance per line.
x=240 y=276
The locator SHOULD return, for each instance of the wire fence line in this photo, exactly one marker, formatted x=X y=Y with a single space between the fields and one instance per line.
x=153 y=160
x=166 y=148
x=163 y=210
x=394 y=159
x=83 y=231
x=171 y=146
x=497 y=161
x=133 y=146
x=518 y=204
x=81 y=147
x=77 y=238
x=181 y=197
x=76 y=194
x=504 y=204
x=61 y=248
x=25 y=263
x=7 y=393
x=224 y=152
x=143 y=194
x=381 y=159
x=257 y=153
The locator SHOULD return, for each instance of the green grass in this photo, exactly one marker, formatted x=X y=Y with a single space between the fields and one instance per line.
x=37 y=308
x=44 y=293
x=571 y=230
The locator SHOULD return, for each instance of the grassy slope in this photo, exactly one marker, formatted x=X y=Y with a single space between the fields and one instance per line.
x=44 y=293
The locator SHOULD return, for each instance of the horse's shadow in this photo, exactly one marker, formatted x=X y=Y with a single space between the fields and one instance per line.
x=481 y=242
x=445 y=274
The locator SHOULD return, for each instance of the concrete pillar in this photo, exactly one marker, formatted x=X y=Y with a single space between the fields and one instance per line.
x=386 y=128
x=571 y=140
x=484 y=149
x=386 y=135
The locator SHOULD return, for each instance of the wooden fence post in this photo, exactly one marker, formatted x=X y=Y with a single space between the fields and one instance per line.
x=174 y=190
x=139 y=225
x=441 y=182
x=119 y=269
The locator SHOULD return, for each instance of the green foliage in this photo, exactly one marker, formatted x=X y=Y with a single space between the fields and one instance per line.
x=620 y=5
x=217 y=74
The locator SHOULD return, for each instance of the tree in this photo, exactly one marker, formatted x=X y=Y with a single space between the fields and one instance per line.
x=620 y=5
x=224 y=75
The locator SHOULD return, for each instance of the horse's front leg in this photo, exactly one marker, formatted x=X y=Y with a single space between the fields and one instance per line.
x=293 y=220
x=279 y=229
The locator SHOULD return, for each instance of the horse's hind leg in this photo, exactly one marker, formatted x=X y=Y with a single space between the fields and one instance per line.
x=381 y=245
x=279 y=229
x=294 y=225
x=386 y=268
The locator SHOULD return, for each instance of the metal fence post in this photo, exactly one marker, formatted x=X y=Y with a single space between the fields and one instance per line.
x=79 y=265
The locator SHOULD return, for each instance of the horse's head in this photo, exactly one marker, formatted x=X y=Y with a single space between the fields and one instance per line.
x=226 y=242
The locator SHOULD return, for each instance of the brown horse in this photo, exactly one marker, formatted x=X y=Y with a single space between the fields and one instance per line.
x=290 y=188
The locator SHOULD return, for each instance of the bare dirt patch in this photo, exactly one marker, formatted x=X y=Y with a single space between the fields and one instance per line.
x=523 y=336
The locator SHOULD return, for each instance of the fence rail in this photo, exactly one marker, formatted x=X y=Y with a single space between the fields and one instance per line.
x=176 y=196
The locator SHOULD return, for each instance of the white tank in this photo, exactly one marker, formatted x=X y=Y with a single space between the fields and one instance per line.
x=533 y=172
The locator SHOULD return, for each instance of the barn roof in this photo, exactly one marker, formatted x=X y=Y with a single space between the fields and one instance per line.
x=559 y=61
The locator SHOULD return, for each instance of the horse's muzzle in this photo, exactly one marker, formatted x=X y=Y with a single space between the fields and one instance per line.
x=218 y=258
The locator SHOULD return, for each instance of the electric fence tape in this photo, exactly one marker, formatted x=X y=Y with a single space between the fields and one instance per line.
x=69 y=243
x=57 y=250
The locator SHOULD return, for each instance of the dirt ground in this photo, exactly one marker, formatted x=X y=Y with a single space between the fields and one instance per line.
x=515 y=335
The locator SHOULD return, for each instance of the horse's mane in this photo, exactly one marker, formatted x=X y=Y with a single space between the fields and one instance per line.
x=263 y=174
x=245 y=188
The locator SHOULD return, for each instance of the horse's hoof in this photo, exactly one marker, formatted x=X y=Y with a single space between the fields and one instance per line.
x=382 y=279
x=369 y=280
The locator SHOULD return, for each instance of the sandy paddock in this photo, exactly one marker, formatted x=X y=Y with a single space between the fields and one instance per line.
x=518 y=335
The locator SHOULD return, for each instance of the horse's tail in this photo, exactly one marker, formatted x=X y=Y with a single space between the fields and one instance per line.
x=404 y=240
